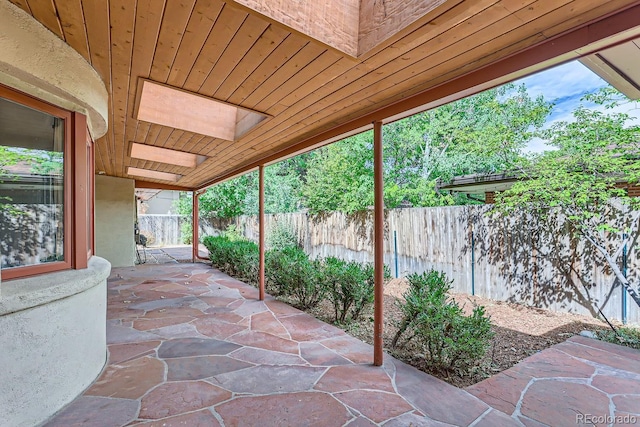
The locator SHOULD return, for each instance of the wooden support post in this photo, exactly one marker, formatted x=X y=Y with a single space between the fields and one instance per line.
x=261 y=225
x=378 y=178
x=194 y=226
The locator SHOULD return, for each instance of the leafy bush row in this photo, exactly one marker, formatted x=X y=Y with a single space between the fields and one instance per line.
x=290 y=273
x=236 y=258
x=449 y=340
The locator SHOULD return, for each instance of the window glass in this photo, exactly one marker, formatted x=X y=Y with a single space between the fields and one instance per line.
x=31 y=186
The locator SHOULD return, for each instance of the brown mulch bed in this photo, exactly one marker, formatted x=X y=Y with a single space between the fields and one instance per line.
x=520 y=331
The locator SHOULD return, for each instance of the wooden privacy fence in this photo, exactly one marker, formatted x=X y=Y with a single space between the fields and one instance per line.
x=522 y=259
x=161 y=230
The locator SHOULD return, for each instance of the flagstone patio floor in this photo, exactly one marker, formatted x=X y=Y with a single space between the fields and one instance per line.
x=190 y=346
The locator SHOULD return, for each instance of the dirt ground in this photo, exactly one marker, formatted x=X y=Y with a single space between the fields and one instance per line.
x=520 y=331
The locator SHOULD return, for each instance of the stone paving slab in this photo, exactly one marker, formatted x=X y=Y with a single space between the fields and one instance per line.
x=191 y=346
x=578 y=382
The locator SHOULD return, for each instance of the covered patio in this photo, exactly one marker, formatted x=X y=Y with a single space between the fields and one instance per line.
x=189 y=345
x=186 y=94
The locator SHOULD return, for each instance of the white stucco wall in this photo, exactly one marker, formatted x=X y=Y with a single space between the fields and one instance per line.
x=52 y=326
x=37 y=62
x=115 y=215
x=52 y=341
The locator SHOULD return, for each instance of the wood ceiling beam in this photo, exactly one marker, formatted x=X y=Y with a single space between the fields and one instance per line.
x=159 y=186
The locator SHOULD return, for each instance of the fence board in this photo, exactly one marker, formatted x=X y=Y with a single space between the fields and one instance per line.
x=517 y=259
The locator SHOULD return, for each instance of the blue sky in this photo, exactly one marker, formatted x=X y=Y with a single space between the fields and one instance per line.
x=565 y=85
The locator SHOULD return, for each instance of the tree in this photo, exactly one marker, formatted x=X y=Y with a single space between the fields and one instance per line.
x=483 y=133
x=592 y=155
x=282 y=187
x=479 y=134
x=239 y=196
x=340 y=176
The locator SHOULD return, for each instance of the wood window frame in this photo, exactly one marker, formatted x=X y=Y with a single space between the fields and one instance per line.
x=78 y=180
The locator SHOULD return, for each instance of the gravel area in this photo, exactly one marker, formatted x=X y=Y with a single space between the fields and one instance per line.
x=520 y=331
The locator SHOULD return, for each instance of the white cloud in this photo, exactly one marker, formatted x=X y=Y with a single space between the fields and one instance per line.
x=564 y=81
x=565 y=85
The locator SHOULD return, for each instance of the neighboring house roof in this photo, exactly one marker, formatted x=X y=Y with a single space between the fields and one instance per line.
x=479 y=183
x=618 y=66
x=483 y=183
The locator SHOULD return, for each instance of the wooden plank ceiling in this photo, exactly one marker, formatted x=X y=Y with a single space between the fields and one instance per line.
x=226 y=51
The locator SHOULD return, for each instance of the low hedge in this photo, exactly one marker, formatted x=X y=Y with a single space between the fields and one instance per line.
x=450 y=340
x=290 y=273
x=237 y=258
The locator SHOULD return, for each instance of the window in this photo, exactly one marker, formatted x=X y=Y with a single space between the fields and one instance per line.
x=45 y=200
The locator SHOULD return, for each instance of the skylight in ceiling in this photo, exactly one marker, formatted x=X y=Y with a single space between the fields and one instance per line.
x=168 y=106
x=165 y=155
x=146 y=173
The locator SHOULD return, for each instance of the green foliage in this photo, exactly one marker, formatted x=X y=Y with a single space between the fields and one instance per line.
x=282 y=187
x=186 y=231
x=483 y=133
x=41 y=162
x=349 y=285
x=237 y=258
x=340 y=176
x=233 y=234
x=451 y=341
x=626 y=336
x=239 y=196
x=281 y=235
x=479 y=134
x=592 y=155
x=289 y=271
x=425 y=290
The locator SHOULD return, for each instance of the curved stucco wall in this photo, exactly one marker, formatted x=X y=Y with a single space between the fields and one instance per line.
x=52 y=341
x=35 y=61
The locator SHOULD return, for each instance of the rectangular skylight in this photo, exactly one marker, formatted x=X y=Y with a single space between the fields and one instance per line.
x=163 y=176
x=165 y=155
x=176 y=108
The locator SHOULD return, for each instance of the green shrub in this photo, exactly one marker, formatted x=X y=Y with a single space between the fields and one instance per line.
x=425 y=290
x=626 y=336
x=276 y=270
x=451 y=341
x=246 y=261
x=237 y=258
x=281 y=235
x=217 y=247
x=186 y=233
x=233 y=234
x=290 y=272
x=349 y=286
